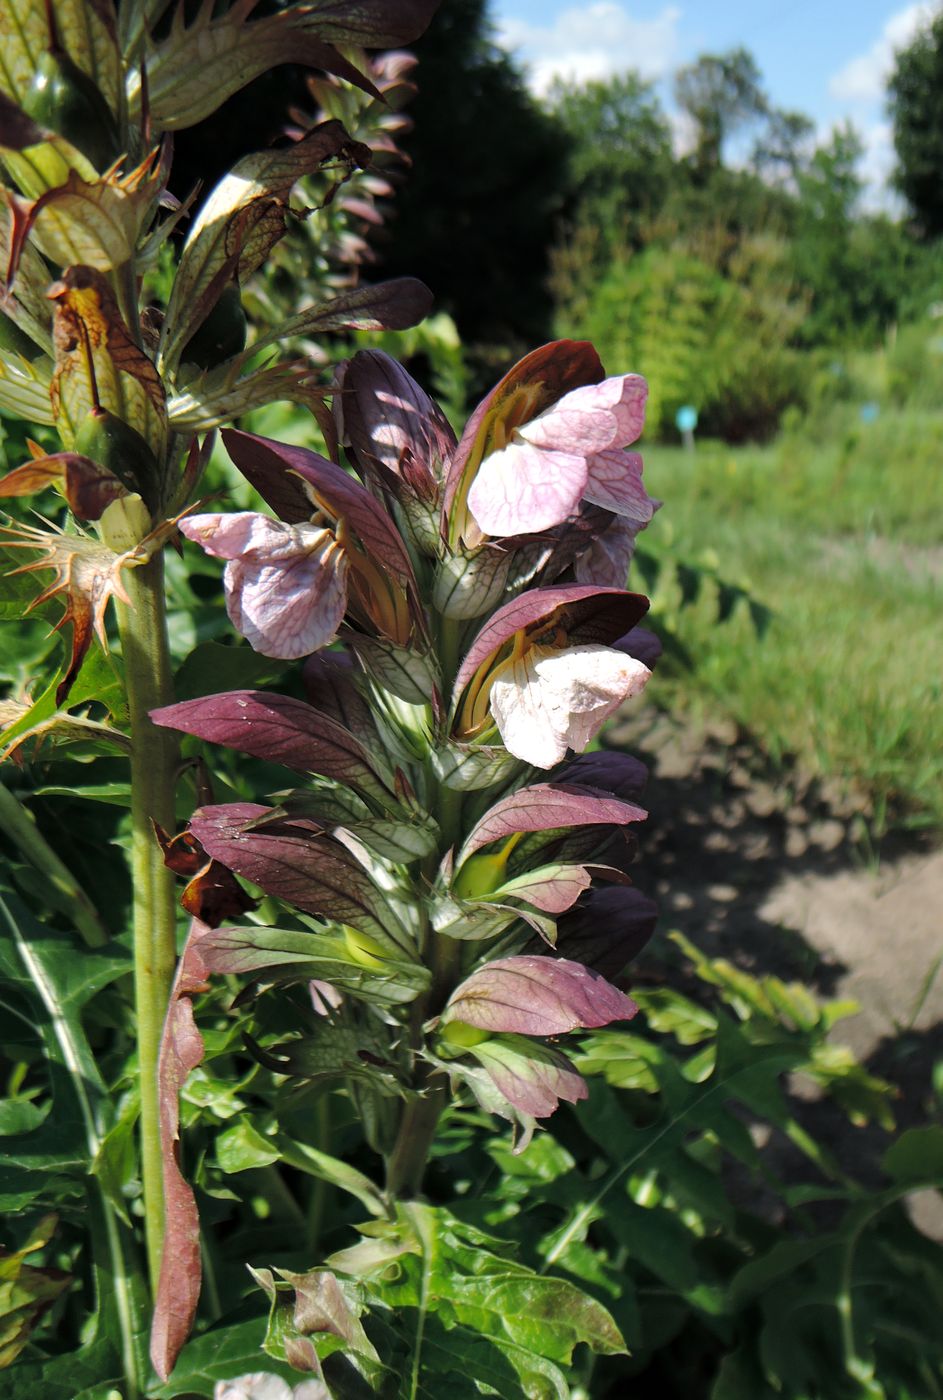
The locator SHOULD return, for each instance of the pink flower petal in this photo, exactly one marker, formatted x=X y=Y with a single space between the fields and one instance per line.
x=525 y=488
x=615 y=483
x=570 y=451
x=285 y=584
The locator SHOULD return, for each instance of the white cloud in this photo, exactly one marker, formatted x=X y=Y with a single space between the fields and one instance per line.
x=593 y=42
x=864 y=78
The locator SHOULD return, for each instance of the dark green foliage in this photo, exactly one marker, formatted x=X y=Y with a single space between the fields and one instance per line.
x=720 y=93
x=62 y=98
x=619 y=142
x=916 y=107
x=475 y=218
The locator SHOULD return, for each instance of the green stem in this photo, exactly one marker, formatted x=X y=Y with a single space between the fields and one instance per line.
x=20 y=828
x=153 y=762
x=406 y=1164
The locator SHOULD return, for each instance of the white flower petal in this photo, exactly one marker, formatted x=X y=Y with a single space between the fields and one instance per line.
x=286 y=585
x=261 y=1385
x=550 y=700
x=293 y=604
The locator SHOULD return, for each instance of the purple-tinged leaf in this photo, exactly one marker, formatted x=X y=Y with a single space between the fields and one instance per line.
x=610 y=552
x=88 y=487
x=606 y=771
x=370 y=24
x=532 y=995
x=550 y=888
x=607 y=929
x=17 y=130
x=393 y=305
x=586 y=614
x=533 y=1078
x=330 y=680
x=642 y=644
x=280 y=729
x=274 y=469
x=181 y=1050
x=311 y=871
x=295 y=955
x=548 y=806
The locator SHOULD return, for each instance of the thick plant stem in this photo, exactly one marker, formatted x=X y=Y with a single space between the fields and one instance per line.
x=153 y=761
x=406 y=1163
x=20 y=828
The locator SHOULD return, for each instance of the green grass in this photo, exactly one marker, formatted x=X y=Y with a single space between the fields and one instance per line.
x=844 y=544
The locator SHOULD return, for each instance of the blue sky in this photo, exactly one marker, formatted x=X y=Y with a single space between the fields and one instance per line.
x=827 y=58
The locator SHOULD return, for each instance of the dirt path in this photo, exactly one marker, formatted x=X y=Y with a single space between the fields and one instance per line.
x=775 y=881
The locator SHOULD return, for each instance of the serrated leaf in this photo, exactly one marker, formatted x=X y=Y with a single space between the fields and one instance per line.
x=96 y=222
x=87 y=32
x=128 y=385
x=218 y=1355
x=241 y=221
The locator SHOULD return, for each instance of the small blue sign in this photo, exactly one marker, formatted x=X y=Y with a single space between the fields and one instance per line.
x=868 y=412
x=686 y=418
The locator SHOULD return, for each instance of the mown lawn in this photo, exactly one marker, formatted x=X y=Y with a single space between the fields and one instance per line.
x=843 y=542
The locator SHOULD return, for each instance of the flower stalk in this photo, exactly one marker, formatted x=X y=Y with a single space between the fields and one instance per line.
x=142 y=626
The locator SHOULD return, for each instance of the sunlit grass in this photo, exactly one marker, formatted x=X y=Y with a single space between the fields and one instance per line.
x=849 y=559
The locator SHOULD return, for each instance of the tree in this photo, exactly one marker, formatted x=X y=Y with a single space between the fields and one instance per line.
x=781 y=150
x=476 y=217
x=620 y=148
x=720 y=93
x=916 y=109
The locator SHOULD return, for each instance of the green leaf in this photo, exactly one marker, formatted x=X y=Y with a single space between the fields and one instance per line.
x=212 y=667
x=917 y=1157
x=448 y=1284
x=56 y=977
x=94 y=1368
x=20 y=1116
x=115 y=1161
x=242 y=1148
x=218 y=1355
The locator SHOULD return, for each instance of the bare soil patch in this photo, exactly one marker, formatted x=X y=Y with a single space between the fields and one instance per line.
x=770 y=873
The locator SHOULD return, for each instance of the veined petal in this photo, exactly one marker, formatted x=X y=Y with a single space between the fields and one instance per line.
x=571 y=451
x=606 y=561
x=550 y=700
x=614 y=481
x=617 y=404
x=286 y=585
x=526 y=487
